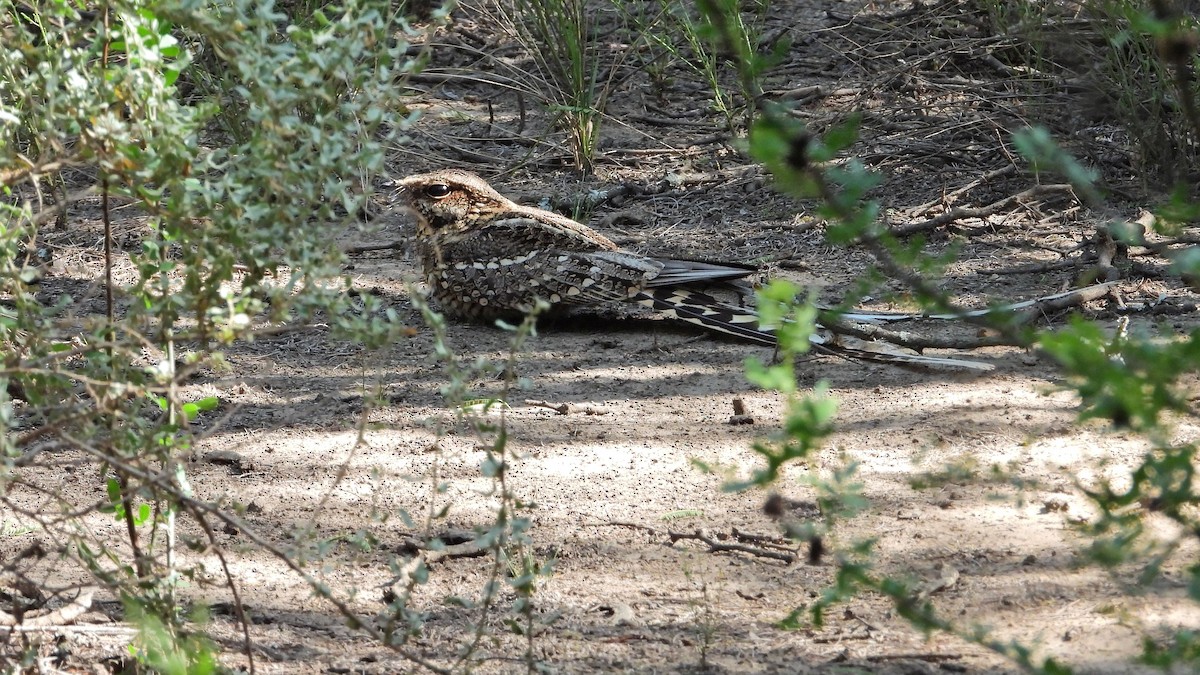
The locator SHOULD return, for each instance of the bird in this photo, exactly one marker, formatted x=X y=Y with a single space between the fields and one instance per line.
x=486 y=257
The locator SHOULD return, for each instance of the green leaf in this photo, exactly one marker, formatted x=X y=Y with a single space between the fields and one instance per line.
x=1179 y=210
x=192 y=410
x=1038 y=146
x=1186 y=263
x=491 y=466
x=143 y=516
x=208 y=403
x=795 y=620
x=842 y=136
x=776 y=377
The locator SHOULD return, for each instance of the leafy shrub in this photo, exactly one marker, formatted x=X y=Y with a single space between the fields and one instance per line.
x=242 y=138
x=1133 y=381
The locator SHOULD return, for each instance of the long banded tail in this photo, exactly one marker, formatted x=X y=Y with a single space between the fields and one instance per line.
x=706 y=311
x=703 y=310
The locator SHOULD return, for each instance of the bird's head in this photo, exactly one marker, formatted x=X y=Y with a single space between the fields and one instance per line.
x=449 y=199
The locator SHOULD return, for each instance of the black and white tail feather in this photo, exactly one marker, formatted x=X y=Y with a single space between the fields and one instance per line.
x=706 y=311
x=679 y=291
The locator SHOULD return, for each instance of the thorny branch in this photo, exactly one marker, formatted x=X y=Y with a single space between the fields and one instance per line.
x=163 y=481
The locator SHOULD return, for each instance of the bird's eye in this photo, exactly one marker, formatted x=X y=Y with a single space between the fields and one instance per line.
x=437 y=191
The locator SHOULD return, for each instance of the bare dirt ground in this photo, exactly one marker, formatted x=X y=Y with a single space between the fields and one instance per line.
x=609 y=479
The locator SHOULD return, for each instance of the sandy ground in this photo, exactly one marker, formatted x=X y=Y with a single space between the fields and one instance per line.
x=607 y=482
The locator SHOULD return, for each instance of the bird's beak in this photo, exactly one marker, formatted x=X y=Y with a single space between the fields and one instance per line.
x=397 y=189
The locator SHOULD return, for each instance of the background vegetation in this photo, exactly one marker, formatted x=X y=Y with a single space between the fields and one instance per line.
x=243 y=133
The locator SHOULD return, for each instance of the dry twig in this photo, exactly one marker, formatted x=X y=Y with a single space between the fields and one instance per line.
x=367 y=248
x=960 y=213
x=716 y=545
x=62 y=616
x=565 y=408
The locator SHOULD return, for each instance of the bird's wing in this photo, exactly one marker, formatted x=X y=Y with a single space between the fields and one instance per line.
x=601 y=276
x=561 y=231
x=677 y=271
x=512 y=235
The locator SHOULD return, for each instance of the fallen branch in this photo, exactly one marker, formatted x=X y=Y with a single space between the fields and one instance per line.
x=717 y=546
x=84 y=628
x=764 y=546
x=10 y=177
x=1002 y=171
x=1032 y=309
x=1156 y=309
x=1040 y=268
x=632 y=526
x=960 y=213
x=466 y=549
x=932 y=658
x=1012 y=315
x=367 y=248
x=561 y=408
x=909 y=340
x=63 y=615
x=565 y=408
x=767 y=541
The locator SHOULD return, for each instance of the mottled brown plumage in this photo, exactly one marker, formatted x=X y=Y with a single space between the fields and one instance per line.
x=487 y=257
